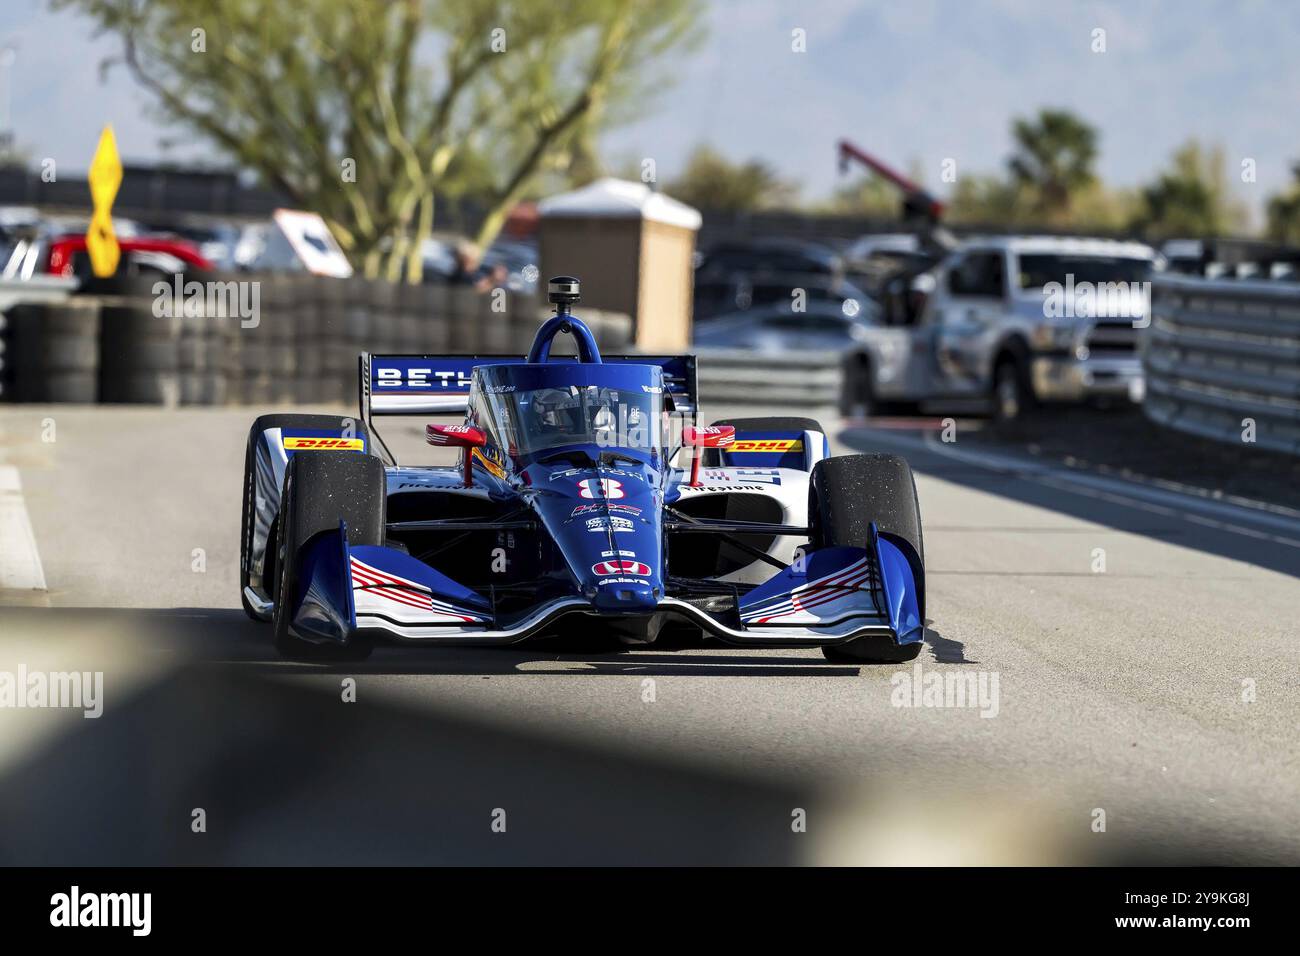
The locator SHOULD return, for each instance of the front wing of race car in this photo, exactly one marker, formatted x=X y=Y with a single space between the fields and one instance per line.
x=827 y=596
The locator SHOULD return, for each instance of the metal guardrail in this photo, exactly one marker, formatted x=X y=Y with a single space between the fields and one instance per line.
x=788 y=378
x=1223 y=355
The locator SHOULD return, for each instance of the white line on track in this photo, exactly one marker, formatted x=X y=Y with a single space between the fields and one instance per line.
x=20 y=562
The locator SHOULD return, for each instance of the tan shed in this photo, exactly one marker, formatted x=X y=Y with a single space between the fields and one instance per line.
x=632 y=248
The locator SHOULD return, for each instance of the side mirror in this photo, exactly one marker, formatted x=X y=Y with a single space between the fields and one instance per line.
x=458 y=436
x=455 y=436
x=714 y=436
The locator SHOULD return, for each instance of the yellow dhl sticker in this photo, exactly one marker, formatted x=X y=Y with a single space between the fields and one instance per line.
x=300 y=443
x=766 y=444
x=493 y=467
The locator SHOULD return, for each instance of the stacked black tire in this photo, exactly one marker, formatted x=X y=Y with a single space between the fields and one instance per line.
x=51 y=352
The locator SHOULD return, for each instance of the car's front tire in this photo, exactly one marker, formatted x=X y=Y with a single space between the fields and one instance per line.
x=320 y=488
x=247 y=516
x=845 y=495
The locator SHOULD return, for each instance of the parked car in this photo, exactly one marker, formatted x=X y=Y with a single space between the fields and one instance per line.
x=769 y=256
x=779 y=328
x=518 y=259
x=1014 y=320
x=737 y=292
x=65 y=255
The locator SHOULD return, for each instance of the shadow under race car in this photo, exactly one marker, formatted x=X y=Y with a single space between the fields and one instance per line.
x=567 y=508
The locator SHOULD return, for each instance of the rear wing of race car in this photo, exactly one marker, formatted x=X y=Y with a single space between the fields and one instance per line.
x=439 y=384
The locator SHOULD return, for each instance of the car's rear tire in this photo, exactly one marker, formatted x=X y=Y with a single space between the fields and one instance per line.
x=320 y=488
x=261 y=424
x=790 y=424
x=845 y=495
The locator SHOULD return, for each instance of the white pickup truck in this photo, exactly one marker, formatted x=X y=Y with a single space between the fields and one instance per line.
x=1011 y=320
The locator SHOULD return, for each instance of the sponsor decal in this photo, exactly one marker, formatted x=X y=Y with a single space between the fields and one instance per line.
x=604 y=581
x=601 y=508
x=423 y=379
x=768 y=476
x=570 y=472
x=768 y=444
x=605 y=568
x=709 y=489
x=610 y=524
x=618 y=554
x=302 y=443
x=600 y=488
x=652 y=389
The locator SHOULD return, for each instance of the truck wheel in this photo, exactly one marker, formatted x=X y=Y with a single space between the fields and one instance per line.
x=845 y=495
x=320 y=487
x=246 y=524
x=855 y=385
x=1013 y=395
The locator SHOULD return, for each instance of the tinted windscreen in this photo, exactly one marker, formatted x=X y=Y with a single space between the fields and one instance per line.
x=1037 y=271
x=530 y=421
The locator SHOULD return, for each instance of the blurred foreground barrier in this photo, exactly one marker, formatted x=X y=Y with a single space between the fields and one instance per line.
x=256 y=340
x=788 y=378
x=1222 y=360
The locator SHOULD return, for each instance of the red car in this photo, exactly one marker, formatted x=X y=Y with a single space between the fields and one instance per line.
x=67 y=256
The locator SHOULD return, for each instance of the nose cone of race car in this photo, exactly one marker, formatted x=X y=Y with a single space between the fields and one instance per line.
x=606 y=522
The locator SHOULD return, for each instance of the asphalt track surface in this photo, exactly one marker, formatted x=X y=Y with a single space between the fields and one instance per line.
x=1144 y=647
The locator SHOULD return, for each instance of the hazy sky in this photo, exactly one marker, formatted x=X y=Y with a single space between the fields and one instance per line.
x=919 y=80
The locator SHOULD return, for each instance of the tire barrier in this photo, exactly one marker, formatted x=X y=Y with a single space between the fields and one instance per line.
x=59 y=349
x=1221 y=360
x=250 y=339
x=803 y=379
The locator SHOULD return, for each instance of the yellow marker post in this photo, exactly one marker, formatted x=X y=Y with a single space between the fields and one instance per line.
x=105 y=178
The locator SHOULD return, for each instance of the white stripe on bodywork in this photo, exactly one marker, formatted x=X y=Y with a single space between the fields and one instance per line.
x=20 y=562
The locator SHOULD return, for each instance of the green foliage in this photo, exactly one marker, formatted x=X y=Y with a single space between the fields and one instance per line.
x=1053 y=159
x=979 y=199
x=868 y=195
x=1191 y=198
x=1284 y=212
x=413 y=93
x=711 y=181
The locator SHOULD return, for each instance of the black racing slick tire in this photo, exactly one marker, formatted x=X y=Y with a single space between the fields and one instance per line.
x=773 y=424
x=320 y=488
x=246 y=524
x=845 y=495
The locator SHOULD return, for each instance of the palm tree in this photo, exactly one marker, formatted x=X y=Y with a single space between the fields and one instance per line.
x=1053 y=159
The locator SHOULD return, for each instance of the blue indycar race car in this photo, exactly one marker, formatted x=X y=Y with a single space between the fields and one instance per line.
x=583 y=496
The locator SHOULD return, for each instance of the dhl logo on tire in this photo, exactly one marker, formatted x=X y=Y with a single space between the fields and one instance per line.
x=767 y=444
x=303 y=443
